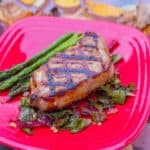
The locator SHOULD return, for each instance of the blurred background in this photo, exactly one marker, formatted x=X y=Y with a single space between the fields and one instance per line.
x=135 y=13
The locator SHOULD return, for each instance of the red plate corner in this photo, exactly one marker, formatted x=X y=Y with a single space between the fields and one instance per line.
x=27 y=37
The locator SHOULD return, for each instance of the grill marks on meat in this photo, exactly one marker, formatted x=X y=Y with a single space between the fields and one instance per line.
x=67 y=71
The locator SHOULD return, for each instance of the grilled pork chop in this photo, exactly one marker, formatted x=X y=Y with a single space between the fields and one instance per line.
x=71 y=75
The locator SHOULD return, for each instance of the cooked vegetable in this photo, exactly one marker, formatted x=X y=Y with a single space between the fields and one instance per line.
x=119 y=96
x=95 y=111
x=27 y=114
x=25 y=87
x=78 y=124
x=25 y=102
x=116 y=58
x=19 y=67
x=116 y=91
x=20 y=83
x=98 y=116
x=28 y=130
x=8 y=83
x=20 y=87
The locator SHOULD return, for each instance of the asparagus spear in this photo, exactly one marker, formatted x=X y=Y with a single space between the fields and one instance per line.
x=24 y=87
x=8 y=83
x=20 y=83
x=19 y=67
x=20 y=87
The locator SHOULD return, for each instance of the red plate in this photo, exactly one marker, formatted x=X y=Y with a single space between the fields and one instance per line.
x=27 y=37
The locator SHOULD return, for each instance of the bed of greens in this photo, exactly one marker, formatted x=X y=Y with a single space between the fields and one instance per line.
x=80 y=115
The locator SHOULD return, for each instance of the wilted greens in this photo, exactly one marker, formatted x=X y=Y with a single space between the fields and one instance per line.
x=116 y=58
x=80 y=115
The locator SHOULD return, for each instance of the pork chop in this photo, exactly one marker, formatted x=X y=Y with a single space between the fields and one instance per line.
x=71 y=75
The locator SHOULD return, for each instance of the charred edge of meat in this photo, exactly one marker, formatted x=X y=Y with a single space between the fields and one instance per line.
x=92 y=34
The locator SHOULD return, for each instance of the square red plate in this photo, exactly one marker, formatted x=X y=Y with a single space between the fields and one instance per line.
x=27 y=37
